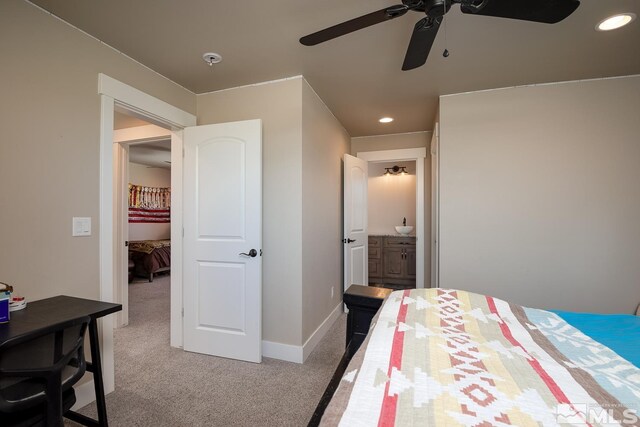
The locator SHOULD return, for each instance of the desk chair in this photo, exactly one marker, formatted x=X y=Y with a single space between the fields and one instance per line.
x=37 y=372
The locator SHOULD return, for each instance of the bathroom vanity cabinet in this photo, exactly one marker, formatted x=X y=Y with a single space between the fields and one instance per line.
x=392 y=260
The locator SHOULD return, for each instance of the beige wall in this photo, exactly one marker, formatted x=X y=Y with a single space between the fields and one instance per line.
x=396 y=142
x=391 y=198
x=49 y=154
x=150 y=177
x=540 y=194
x=279 y=105
x=390 y=142
x=324 y=141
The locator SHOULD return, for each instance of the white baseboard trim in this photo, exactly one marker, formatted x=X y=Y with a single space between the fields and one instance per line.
x=297 y=353
x=321 y=331
x=85 y=394
x=276 y=350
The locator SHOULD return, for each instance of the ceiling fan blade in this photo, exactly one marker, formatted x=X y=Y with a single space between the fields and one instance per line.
x=424 y=33
x=546 y=11
x=354 y=25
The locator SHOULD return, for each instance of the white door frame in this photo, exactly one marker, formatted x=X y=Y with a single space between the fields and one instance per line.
x=137 y=103
x=409 y=154
x=435 y=207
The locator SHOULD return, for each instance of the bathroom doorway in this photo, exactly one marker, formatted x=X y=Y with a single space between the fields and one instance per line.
x=392 y=224
x=396 y=260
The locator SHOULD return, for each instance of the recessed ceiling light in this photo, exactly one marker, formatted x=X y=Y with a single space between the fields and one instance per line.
x=615 y=21
x=386 y=120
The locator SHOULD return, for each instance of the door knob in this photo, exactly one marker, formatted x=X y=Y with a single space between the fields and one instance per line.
x=252 y=253
x=350 y=240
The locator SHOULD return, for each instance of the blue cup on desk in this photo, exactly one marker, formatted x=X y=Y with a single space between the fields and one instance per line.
x=5 y=300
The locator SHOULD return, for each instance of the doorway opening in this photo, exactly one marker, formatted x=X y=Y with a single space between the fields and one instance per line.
x=117 y=95
x=392 y=224
x=225 y=179
x=404 y=252
x=143 y=179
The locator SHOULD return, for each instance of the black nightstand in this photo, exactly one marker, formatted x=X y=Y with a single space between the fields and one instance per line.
x=363 y=303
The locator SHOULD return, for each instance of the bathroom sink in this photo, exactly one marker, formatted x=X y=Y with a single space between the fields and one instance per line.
x=404 y=230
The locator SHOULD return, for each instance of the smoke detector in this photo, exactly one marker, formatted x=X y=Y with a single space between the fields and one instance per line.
x=212 y=58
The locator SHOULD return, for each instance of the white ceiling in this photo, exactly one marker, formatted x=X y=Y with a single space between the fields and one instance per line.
x=358 y=75
x=156 y=154
x=152 y=154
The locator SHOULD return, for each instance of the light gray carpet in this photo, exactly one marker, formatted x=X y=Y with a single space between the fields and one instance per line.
x=157 y=385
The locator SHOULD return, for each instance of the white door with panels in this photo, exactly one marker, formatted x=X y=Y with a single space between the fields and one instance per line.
x=222 y=240
x=356 y=257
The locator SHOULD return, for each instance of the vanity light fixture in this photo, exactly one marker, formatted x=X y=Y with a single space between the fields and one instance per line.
x=615 y=21
x=396 y=170
x=386 y=120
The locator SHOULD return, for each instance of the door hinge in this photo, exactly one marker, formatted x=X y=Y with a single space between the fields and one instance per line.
x=182 y=151
x=182 y=231
x=183 y=312
x=126 y=243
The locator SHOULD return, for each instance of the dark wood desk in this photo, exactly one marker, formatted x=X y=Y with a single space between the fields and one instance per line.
x=50 y=311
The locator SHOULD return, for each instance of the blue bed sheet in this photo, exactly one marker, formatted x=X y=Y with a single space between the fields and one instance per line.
x=619 y=332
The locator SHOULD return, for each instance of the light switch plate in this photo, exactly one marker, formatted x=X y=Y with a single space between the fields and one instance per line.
x=81 y=226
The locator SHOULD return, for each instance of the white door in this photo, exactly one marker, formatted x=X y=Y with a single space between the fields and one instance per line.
x=222 y=240
x=356 y=257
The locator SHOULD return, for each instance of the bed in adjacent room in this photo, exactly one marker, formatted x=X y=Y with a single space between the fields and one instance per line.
x=436 y=357
x=150 y=257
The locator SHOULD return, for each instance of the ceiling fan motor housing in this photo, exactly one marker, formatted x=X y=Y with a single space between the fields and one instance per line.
x=433 y=8
x=437 y=8
x=414 y=4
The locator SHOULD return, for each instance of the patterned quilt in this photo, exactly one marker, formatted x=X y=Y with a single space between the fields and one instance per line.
x=148 y=246
x=437 y=357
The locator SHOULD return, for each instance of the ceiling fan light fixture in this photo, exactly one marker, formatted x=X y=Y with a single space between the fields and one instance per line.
x=616 y=21
x=386 y=120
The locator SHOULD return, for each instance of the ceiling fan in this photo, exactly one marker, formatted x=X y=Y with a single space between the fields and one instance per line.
x=425 y=30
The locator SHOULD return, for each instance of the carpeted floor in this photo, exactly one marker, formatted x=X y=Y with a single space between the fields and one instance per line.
x=157 y=385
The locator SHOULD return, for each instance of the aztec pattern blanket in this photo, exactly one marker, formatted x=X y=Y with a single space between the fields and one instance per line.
x=437 y=357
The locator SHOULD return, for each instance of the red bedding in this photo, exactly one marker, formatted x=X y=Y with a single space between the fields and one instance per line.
x=148 y=264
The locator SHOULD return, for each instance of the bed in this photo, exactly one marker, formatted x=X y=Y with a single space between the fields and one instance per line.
x=436 y=357
x=150 y=257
